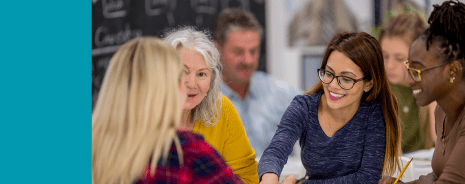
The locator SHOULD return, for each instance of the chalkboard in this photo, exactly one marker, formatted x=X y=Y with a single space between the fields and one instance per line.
x=116 y=21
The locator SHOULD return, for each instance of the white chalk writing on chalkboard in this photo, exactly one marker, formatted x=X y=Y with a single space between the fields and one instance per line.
x=117 y=21
x=105 y=50
x=208 y=7
x=106 y=41
x=204 y=6
x=113 y=8
x=158 y=7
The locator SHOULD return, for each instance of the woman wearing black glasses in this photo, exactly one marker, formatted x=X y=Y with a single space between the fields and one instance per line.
x=436 y=64
x=347 y=124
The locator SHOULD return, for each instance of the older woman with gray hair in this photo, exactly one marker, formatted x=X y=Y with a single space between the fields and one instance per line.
x=207 y=111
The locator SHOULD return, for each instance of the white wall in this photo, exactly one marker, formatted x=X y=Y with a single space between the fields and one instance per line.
x=285 y=62
x=282 y=61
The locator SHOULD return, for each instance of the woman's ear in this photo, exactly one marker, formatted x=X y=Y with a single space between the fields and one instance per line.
x=368 y=86
x=456 y=68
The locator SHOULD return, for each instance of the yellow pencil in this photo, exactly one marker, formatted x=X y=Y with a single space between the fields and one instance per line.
x=403 y=170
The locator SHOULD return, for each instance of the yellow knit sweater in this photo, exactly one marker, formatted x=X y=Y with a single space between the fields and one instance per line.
x=229 y=138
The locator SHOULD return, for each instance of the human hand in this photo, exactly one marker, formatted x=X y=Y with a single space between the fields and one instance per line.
x=270 y=178
x=388 y=180
x=290 y=179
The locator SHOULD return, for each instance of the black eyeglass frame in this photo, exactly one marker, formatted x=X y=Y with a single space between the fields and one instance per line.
x=337 y=78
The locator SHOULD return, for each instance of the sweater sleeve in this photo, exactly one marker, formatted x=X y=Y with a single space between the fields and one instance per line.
x=238 y=152
x=371 y=166
x=289 y=130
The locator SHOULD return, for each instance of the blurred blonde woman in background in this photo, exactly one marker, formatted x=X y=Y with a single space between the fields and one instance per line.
x=395 y=38
x=207 y=111
x=436 y=67
x=134 y=130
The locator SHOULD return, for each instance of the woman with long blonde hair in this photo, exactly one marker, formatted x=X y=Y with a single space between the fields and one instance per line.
x=134 y=130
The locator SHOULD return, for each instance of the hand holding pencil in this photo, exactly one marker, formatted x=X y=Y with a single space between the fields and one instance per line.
x=388 y=180
x=403 y=170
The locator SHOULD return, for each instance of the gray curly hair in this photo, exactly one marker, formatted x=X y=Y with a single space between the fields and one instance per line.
x=189 y=37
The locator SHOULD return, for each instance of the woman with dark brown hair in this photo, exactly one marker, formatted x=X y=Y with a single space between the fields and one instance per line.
x=347 y=124
x=395 y=39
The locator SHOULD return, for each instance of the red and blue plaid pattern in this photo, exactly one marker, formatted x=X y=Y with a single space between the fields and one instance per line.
x=202 y=164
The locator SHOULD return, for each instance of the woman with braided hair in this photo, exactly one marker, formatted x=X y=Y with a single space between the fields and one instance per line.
x=436 y=65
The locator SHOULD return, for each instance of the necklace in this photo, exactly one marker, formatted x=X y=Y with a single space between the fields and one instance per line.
x=443 y=136
x=325 y=119
x=330 y=129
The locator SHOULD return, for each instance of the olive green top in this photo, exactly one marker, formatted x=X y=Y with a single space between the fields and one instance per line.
x=413 y=134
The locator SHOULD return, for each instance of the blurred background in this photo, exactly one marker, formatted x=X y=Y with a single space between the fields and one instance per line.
x=295 y=35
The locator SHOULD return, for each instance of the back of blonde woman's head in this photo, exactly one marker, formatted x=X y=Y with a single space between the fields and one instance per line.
x=137 y=111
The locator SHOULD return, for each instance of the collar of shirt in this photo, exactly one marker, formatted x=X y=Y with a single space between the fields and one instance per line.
x=251 y=92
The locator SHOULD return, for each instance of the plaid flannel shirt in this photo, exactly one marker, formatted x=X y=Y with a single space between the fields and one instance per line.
x=202 y=164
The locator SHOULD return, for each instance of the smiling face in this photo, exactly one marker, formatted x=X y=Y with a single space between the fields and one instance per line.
x=431 y=87
x=336 y=97
x=239 y=55
x=395 y=52
x=197 y=77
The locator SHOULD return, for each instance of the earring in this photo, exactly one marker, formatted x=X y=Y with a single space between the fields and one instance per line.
x=451 y=80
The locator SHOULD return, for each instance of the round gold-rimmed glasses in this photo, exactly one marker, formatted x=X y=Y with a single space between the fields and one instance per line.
x=416 y=74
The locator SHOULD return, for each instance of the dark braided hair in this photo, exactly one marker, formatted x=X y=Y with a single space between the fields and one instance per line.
x=447 y=24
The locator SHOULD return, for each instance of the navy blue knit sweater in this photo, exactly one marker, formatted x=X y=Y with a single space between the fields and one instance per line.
x=354 y=154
